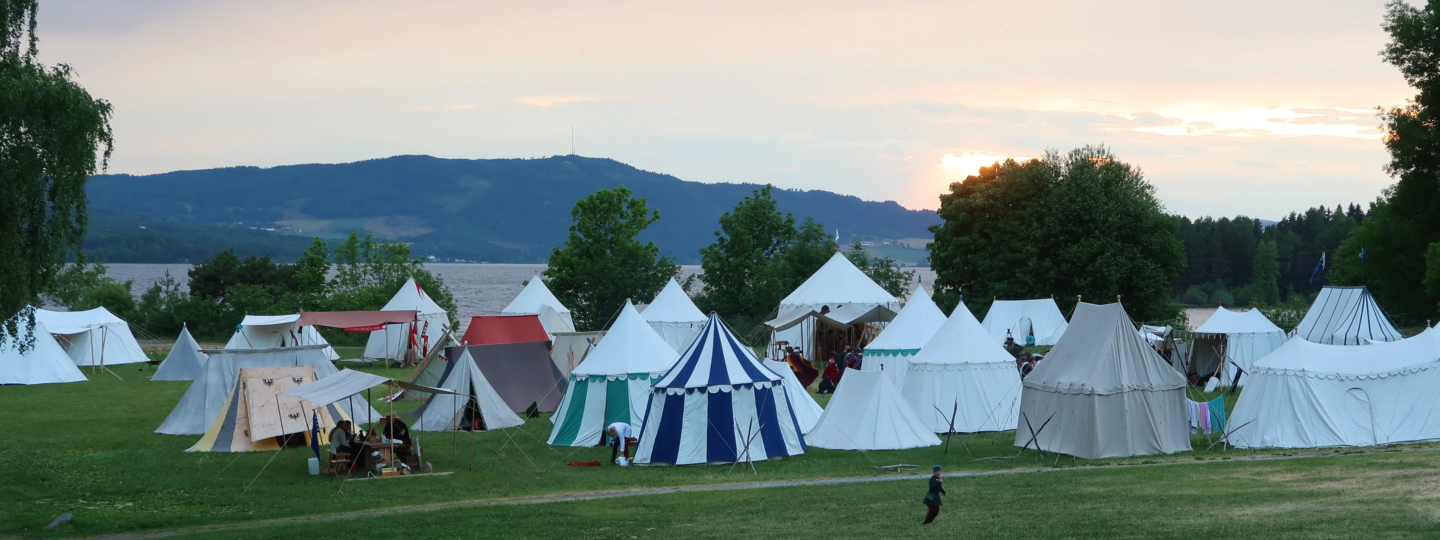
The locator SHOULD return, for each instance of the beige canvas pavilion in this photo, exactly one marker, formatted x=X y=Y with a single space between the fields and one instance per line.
x=1103 y=392
x=256 y=413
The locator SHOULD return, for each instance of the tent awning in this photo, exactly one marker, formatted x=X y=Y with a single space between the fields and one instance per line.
x=856 y=314
x=356 y=321
x=348 y=383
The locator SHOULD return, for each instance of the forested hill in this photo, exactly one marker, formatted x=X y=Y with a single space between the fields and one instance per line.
x=497 y=210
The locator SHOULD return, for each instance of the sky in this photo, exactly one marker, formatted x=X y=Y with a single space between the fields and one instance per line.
x=1247 y=107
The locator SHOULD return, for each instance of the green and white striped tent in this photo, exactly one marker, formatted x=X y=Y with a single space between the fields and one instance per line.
x=613 y=383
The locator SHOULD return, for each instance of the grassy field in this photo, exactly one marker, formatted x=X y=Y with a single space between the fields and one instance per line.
x=89 y=448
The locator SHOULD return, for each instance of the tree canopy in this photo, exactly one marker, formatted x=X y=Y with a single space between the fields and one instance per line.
x=53 y=136
x=1404 y=224
x=1082 y=223
x=602 y=263
x=758 y=257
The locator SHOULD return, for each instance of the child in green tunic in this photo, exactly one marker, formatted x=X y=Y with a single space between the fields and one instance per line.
x=932 y=499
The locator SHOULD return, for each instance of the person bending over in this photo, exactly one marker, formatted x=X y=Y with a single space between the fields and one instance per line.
x=621 y=440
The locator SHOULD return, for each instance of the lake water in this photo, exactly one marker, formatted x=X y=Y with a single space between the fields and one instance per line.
x=479 y=289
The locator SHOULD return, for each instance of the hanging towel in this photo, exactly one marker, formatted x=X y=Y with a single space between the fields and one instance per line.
x=1204 y=417
x=1192 y=411
x=1217 y=413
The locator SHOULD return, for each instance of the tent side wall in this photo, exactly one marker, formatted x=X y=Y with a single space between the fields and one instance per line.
x=1299 y=410
x=1080 y=432
x=680 y=427
x=982 y=397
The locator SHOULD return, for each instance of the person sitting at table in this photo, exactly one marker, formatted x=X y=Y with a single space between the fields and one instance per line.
x=342 y=441
x=395 y=429
x=621 y=439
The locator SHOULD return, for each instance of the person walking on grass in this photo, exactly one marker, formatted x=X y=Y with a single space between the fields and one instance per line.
x=933 y=497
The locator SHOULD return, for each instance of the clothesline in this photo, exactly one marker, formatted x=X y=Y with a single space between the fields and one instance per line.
x=1206 y=416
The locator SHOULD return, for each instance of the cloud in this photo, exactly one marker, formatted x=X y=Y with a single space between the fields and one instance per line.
x=546 y=101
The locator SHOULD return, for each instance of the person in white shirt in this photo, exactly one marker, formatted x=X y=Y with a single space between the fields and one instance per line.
x=621 y=440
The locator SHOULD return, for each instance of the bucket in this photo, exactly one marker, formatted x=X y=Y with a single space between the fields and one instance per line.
x=314 y=466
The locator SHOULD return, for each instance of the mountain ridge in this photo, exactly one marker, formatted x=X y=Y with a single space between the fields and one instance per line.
x=495 y=210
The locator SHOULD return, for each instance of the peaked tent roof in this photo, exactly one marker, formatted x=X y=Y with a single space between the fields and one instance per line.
x=259 y=332
x=630 y=346
x=1346 y=316
x=43 y=363
x=185 y=361
x=962 y=340
x=806 y=410
x=717 y=358
x=838 y=282
x=412 y=297
x=912 y=328
x=521 y=373
x=444 y=412
x=1250 y=321
x=673 y=305
x=553 y=321
x=499 y=329
x=1044 y=315
x=1103 y=355
x=532 y=297
x=867 y=413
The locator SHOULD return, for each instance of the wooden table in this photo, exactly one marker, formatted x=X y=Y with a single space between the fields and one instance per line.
x=387 y=452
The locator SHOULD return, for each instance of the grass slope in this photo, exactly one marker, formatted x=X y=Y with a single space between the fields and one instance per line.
x=89 y=448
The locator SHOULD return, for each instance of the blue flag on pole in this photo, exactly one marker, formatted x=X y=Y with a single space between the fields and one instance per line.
x=315 y=432
x=1321 y=264
x=1362 y=254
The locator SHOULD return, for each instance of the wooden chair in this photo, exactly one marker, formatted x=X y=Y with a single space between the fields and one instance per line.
x=339 y=464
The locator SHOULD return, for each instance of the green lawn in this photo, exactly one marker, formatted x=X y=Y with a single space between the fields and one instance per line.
x=1372 y=496
x=89 y=448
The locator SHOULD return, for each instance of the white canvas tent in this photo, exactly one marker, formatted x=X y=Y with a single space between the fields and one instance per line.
x=44 y=362
x=185 y=361
x=257 y=414
x=613 y=383
x=569 y=349
x=1018 y=318
x=1346 y=316
x=532 y=300
x=553 y=322
x=394 y=340
x=475 y=400
x=674 y=316
x=867 y=413
x=836 y=285
x=806 y=410
x=904 y=336
x=206 y=397
x=1236 y=338
x=94 y=337
x=962 y=372
x=718 y=404
x=277 y=332
x=1103 y=392
x=1309 y=395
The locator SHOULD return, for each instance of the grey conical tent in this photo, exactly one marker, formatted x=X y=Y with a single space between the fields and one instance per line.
x=1102 y=392
x=185 y=361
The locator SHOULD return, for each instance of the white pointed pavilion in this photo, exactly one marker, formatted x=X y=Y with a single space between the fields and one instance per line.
x=962 y=372
x=904 y=336
x=837 y=284
x=866 y=413
x=185 y=361
x=613 y=383
x=532 y=301
x=674 y=316
x=393 y=341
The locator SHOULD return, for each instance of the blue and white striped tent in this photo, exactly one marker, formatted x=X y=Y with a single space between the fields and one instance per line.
x=712 y=401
